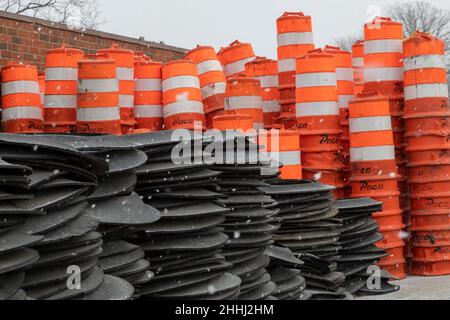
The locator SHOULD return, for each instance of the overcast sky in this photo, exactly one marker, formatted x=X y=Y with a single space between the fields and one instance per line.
x=186 y=23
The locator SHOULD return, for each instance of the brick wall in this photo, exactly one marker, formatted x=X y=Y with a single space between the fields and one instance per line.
x=27 y=39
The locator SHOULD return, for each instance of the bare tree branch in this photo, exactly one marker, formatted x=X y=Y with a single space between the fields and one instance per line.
x=346 y=43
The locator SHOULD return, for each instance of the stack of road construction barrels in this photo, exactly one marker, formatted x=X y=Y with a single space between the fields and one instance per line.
x=374 y=172
x=318 y=119
x=427 y=114
x=358 y=66
x=295 y=38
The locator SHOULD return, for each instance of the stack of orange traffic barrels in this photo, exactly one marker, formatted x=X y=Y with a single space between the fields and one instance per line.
x=427 y=114
x=266 y=71
x=383 y=72
x=295 y=39
x=212 y=81
x=234 y=58
x=318 y=122
x=374 y=172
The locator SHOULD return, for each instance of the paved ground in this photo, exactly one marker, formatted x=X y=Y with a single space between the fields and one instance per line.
x=415 y=288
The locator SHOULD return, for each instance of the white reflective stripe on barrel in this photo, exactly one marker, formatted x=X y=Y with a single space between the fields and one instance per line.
x=126 y=101
x=149 y=85
x=271 y=106
x=181 y=107
x=243 y=102
x=425 y=62
x=181 y=82
x=236 y=67
x=344 y=74
x=213 y=89
x=383 y=46
x=25 y=112
x=322 y=79
x=61 y=74
x=125 y=74
x=344 y=101
x=149 y=111
x=98 y=85
x=22 y=86
x=295 y=38
x=358 y=62
x=324 y=108
x=208 y=66
x=287 y=158
x=382 y=123
x=268 y=81
x=60 y=102
x=372 y=153
x=258 y=126
x=435 y=90
x=286 y=65
x=383 y=74
x=98 y=114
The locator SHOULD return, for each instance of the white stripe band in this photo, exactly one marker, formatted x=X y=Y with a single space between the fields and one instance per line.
x=126 y=101
x=344 y=101
x=317 y=109
x=382 y=123
x=213 y=89
x=358 y=62
x=287 y=65
x=383 y=74
x=344 y=74
x=268 y=81
x=181 y=107
x=420 y=91
x=125 y=74
x=15 y=87
x=148 y=85
x=271 y=106
x=60 y=102
x=243 y=102
x=149 y=111
x=425 y=62
x=322 y=79
x=26 y=112
x=180 y=82
x=288 y=158
x=295 y=38
x=372 y=153
x=208 y=66
x=236 y=67
x=383 y=46
x=98 y=114
x=61 y=74
x=98 y=85
x=258 y=126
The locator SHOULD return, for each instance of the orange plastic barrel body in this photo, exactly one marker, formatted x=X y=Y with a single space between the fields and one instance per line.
x=358 y=66
x=22 y=110
x=182 y=97
x=234 y=57
x=148 y=109
x=98 y=97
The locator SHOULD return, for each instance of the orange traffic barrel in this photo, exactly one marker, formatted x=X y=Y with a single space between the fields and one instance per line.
x=148 y=109
x=98 y=96
x=431 y=254
x=426 y=86
x=435 y=238
x=383 y=56
x=124 y=59
x=358 y=66
x=61 y=73
x=213 y=82
x=327 y=177
x=428 y=125
x=395 y=262
x=22 y=111
x=41 y=80
x=295 y=38
x=316 y=91
x=182 y=97
x=283 y=146
x=324 y=160
x=427 y=269
x=233 y=120
x=244 y=95
x=266 y=71
x=372 y=151
x=234 y=57
x=433 y=172
x=430 y=220
x=428 y=157
x=391 y=225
